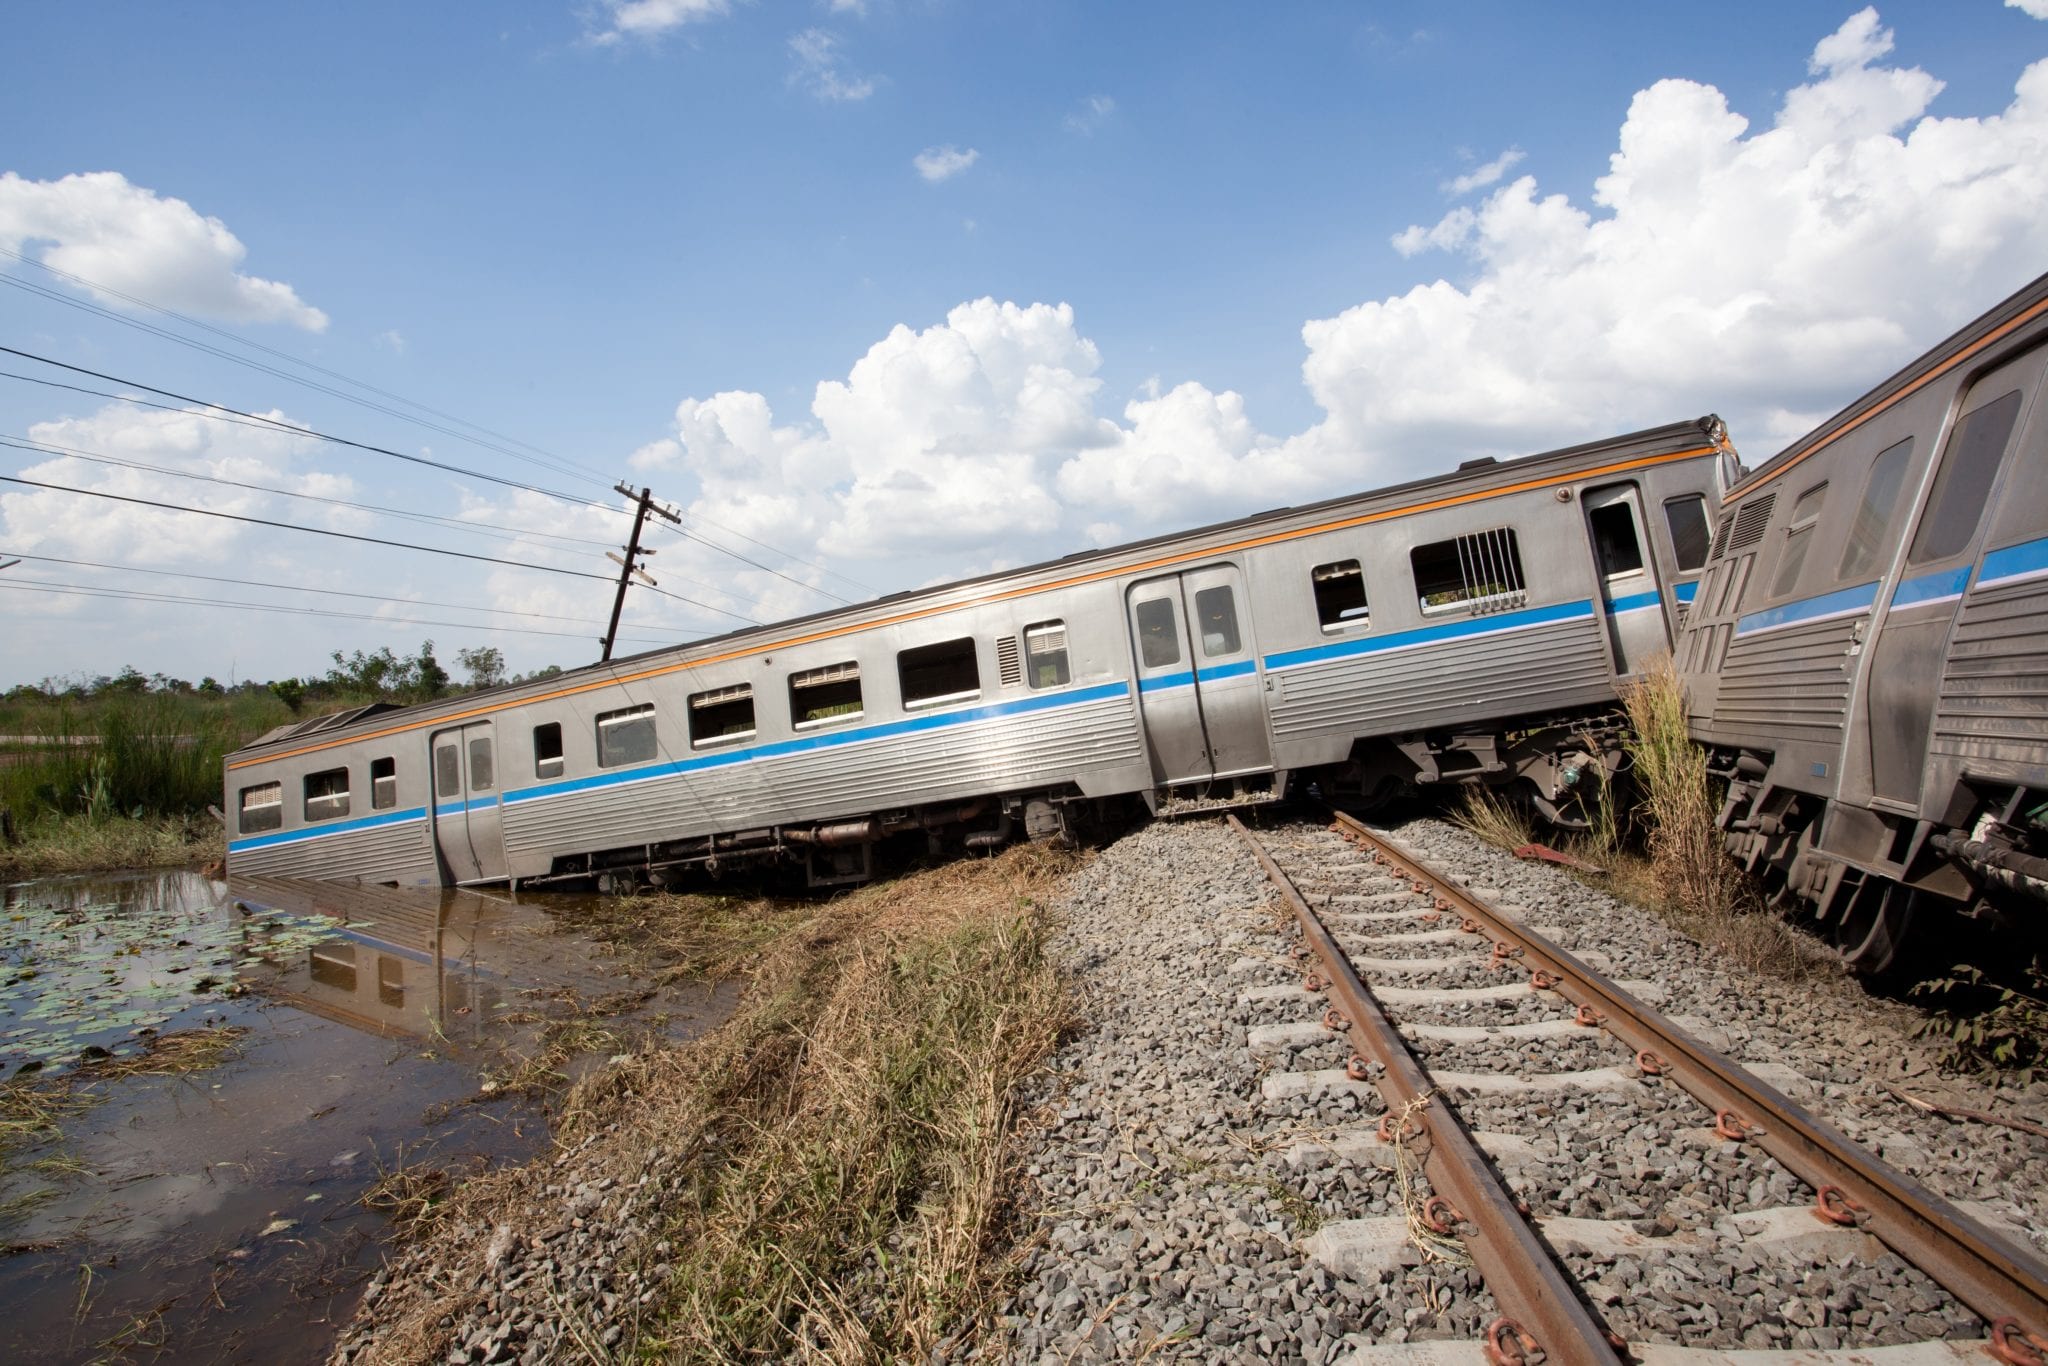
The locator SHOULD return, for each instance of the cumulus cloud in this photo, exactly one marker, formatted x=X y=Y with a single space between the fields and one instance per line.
x=48 y=522
x=943 y=163
x=123 y=237
x=1479 y=177
x=652 y=18
x=2037 y=9
x=1769 y=273
x=819 y=69
x=1093 y=112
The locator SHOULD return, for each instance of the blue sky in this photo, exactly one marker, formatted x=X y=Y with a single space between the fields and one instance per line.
x=1226 y=257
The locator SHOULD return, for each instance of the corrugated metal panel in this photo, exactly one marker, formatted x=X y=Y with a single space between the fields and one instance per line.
x=1789 y=679
x=1443 y=684
x=372 y=853
x=1994 y=692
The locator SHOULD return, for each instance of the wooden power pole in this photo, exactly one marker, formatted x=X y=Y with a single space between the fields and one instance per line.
x=629 y=567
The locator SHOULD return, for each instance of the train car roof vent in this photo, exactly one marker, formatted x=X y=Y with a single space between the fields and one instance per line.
x=1478 y=463
x=336 y=720
x=1750 y=520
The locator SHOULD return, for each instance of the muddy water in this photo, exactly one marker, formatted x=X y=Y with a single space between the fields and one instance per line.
x=215 y=1215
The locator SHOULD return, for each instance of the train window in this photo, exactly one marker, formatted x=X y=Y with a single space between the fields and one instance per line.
x=832 y=693
x=1216 y=621
x=480 y=775
x=1340 y=594
x=262 y=808
x=447 y=770
x=1867 y=534
x=383 y=783
x=1690 y=531
x=1473 y=571
x=1615 y=545
x=944 y=672
x=722 y=715
x=1158 y=642
x=626 y=736
x=327 y=794
x=1046 y=646
x=1963 y=485
x=547 y=750
x=1798 y=532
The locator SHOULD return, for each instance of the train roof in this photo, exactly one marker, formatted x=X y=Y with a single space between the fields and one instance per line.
x=2025 y=307
x=1473 y=478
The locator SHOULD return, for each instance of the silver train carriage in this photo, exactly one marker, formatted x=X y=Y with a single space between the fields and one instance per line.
x=1472 y=627
x=1868 y=654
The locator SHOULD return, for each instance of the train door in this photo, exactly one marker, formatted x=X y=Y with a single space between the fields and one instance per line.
x=466 y=829
x=1198 y=677
x=1631 y=604
x=1904 y=671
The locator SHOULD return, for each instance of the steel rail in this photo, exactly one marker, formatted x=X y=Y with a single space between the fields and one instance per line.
x=1527 y=1281
x=1988 y=1273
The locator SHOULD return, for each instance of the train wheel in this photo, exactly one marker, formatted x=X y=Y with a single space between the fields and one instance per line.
x=1874 y=928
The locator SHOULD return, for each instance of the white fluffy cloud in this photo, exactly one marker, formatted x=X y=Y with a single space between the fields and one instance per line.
x=1479 y=177
x=943 y=163
x=1769 y=273
x=652 y=18
x=1766 y=273
x=1090 y=115
x=2037 y=9
x=819 y=68
x=121 y=236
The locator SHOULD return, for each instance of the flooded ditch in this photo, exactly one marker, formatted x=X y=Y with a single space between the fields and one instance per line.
x=205 y=1080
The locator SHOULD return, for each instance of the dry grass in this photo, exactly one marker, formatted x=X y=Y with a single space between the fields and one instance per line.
x=845 y=1140
x=80 y=844
x=1493 y=818
x=1688 y=877
x=34 y=1106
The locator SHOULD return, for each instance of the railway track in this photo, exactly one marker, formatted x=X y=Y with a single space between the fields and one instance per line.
x=1515 y=1080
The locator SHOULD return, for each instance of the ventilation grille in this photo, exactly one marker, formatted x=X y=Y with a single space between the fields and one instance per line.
x=1750 y=522
x=1009 y=665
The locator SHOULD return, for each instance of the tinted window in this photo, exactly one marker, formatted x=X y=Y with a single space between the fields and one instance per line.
x=1216 y=621
x=938 y=673
x=1798 y=533
x=327 y=794
x=383 y=783
x=1690 y=531
x=480 y=775
x=1158 y=642
x=1045 y=652
x=1872 y=527
x=625 y=736
x=262 y=807
x=447 y=771
x=1340 y=593
x=1964 y=483
x=547 y=750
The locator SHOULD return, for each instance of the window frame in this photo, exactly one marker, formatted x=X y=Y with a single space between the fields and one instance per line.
x=611 y=722
x=382 y=797
x=1490 y=550
x=541 y=758
x=309 y=797
x=1344 y=618
x=1806 y=510
x=1062 y=661
x=966 y=647
x=1698 y=503
x=243 y=826
x=826 y=676
x=717 y=701
x=1962 y=458
x=1145 y=642
x=1871 y=528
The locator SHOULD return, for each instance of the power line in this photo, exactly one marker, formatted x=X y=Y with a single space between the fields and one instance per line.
x=134 y=595
x=562 y=465
x=297 y=588
x=310 y=530
x=543 y=458
x=812 y=587
x=293 y=430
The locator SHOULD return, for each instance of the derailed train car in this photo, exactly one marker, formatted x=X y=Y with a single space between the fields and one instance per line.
x=1470 y=628
x=1868 y=653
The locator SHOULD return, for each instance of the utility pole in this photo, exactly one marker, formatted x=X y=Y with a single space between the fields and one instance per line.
x=629 y=567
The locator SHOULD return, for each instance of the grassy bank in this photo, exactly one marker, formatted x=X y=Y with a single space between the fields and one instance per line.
x=846 y=1138
x=56 y=845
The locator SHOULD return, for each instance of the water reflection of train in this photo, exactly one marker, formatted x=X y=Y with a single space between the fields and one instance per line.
x=420 y=962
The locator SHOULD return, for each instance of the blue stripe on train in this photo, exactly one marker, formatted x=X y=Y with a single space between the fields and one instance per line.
x=2022 y=561
x=1843 y=602
x=802 y=744
x=417 y=813
x=1685 y=592
x=1936 y=587
x=1429 y=635
x=1634 y=602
